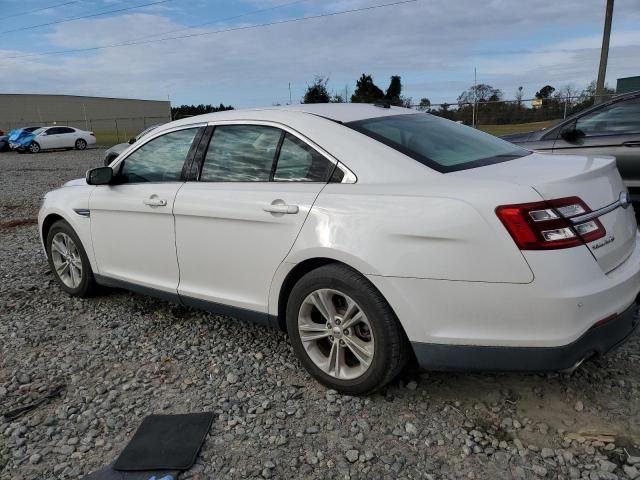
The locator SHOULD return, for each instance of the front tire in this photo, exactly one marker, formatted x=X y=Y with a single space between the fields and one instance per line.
x=68 y=261
x=34 y=147
x=344 y=332
x=81 y=144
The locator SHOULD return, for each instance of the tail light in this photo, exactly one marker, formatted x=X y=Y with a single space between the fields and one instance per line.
x=547 y=225
x=92 y=134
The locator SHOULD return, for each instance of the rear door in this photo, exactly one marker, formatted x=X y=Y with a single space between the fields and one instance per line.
x=67 y=137
x=236 y=224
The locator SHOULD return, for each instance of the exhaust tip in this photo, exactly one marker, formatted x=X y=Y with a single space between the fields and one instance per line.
x=576 y=365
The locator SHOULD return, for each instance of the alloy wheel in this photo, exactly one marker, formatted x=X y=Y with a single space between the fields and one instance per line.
x=336 y=334
x=66 y=260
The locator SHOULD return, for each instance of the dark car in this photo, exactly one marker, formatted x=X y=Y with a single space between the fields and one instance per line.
x=609 y=128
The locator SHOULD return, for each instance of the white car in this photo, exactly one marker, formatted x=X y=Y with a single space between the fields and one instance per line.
x=370 y=234
x=56 y=137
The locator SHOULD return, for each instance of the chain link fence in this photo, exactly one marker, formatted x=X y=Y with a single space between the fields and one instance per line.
x=501 y=117
x=108 y=131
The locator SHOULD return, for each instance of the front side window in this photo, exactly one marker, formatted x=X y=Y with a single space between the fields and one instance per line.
x=621 y=118
x=440 y=144
x=160 y=160
x=240 y=153
x=298 y=162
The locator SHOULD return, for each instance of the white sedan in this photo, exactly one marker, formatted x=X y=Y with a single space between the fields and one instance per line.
x=48 y=138
x=370 y=234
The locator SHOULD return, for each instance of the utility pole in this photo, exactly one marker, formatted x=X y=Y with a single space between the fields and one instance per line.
x=604 y=52
x=289 y=93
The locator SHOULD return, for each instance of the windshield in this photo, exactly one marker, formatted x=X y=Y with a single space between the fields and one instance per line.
x=440 y=144
x=38 y=131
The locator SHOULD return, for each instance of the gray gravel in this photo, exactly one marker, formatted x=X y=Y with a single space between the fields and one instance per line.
x=124 y=356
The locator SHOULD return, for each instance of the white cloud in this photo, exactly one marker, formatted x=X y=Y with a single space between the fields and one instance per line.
x=432 y=44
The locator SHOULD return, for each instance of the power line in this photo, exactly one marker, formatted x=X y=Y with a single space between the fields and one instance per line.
x=31 y=27
x=28 y=12
x=225 y=19
x=215 y=32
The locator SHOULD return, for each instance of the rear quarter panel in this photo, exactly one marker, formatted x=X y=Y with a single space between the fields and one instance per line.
x=416 y=231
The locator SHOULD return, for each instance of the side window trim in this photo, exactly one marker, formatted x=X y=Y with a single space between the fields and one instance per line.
x=276 y=157
x=348 y=177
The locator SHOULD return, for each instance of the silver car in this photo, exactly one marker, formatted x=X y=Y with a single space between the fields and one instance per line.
x=609 y=128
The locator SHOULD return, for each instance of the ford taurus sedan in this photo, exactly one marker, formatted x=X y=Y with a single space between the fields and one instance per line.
x=372 y=235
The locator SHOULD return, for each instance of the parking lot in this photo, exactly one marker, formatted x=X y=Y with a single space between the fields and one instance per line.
x=123 y=356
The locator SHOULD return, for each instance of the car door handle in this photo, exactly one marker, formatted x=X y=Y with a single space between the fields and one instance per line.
x=153 y=201
x=282 y=208
x=633 y=143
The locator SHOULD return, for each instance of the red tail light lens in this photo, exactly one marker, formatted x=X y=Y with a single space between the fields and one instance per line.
x=546 y=225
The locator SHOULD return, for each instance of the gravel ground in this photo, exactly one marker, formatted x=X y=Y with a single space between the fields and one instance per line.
x=124 y=356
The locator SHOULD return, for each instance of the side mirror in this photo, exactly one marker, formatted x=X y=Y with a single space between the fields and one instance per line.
x=132 y=141
x=100 y=176
x=570 y=133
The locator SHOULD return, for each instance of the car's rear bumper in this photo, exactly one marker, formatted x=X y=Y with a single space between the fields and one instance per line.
x=597 y=341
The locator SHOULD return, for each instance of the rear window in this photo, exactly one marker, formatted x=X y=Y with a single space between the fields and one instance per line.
x=440 y=144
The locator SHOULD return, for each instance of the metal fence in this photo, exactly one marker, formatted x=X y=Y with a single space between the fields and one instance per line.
x=107 y=130
x=505 y=116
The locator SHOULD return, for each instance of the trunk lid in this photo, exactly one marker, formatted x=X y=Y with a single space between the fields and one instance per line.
x=595 y=180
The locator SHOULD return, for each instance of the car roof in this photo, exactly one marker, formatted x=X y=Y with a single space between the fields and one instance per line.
x=338 y=112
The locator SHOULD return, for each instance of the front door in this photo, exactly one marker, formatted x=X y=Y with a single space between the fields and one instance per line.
x=49 y=138
x=237 y=224
x=132 y=225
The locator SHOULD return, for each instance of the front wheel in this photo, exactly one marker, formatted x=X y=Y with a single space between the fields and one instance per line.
x=344 y=332
x=34 y=147
x=68 y=261
x=81 y=144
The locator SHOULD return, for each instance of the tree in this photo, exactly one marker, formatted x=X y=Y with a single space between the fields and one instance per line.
x=545 y=92
x=366 y=91
x=317 y=91
x=519 y=96
x=480 y=93
x=190 y=110
x=394 y=90
x=424 y=105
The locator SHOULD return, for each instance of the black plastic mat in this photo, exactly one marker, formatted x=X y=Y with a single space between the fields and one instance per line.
x=108 y=473
x=165 y=442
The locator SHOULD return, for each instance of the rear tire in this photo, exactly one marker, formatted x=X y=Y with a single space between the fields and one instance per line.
x=34 y=147
x=361 y=346
x=81 y=144
x=68 y=261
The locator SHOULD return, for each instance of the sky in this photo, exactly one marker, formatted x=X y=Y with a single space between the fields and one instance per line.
x=433 y=44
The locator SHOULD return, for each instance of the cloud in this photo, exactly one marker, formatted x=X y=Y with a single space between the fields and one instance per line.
x=433 y=45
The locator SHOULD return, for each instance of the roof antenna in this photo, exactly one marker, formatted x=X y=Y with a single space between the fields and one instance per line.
x=382 y=105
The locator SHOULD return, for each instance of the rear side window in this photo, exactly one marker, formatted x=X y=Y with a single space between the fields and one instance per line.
x=65 y=130
x=440 y=144
x=298 y=162
x=159 y=160
x=240 y=153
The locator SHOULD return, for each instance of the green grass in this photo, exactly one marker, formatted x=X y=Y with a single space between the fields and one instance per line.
x=109 y=138
x=498 y=130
